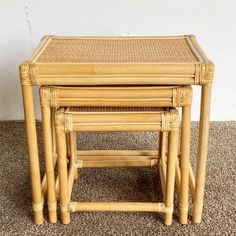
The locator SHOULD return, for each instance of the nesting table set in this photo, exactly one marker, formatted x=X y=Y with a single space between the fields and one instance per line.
x=116 y=84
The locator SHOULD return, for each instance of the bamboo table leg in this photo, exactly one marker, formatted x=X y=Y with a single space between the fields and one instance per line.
x=170 y=176
x=162 y=158
x=33 y=152
x=202 y=153
x=48 y=153
x=184 y=164
x=63 y=173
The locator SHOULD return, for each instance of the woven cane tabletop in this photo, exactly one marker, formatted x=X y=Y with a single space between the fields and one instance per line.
x=99 y=50
x=116 y=109
x=61 y=60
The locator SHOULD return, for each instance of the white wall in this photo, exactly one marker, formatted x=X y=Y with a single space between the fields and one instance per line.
x=23 y=23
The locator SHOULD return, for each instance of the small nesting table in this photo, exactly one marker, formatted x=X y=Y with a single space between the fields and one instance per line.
x=72 y=120
x=117 y=61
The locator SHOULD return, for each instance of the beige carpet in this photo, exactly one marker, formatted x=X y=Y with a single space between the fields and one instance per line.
x=119 y=184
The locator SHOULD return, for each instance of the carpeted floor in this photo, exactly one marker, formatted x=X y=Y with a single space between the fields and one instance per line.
x=119 y=184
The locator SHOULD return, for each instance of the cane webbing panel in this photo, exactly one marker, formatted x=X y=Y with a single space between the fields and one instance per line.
x=118 y=50
x=114 y=109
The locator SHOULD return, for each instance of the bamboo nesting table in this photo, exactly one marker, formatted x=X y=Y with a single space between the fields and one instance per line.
x=54 y=97
x=117 y=61
x=78 y=119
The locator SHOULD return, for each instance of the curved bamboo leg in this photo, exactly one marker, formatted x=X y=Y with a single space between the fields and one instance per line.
x=170 y=176
x=63 y=178
x=202 y=153
x=33 y=153
x=49 y=165
x=184 y=164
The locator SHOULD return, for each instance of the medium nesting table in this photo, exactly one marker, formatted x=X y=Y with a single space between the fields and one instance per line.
x=117 y=61
x=104 y=97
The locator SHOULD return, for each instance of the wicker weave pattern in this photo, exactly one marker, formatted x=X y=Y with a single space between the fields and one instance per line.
x=114 y=109
x=117 y=50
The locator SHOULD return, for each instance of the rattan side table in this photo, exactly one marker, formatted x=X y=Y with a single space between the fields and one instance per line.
x=155 y=61
x=78 y=119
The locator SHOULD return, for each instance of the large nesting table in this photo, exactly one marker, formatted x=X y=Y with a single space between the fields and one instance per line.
x=117 y=61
